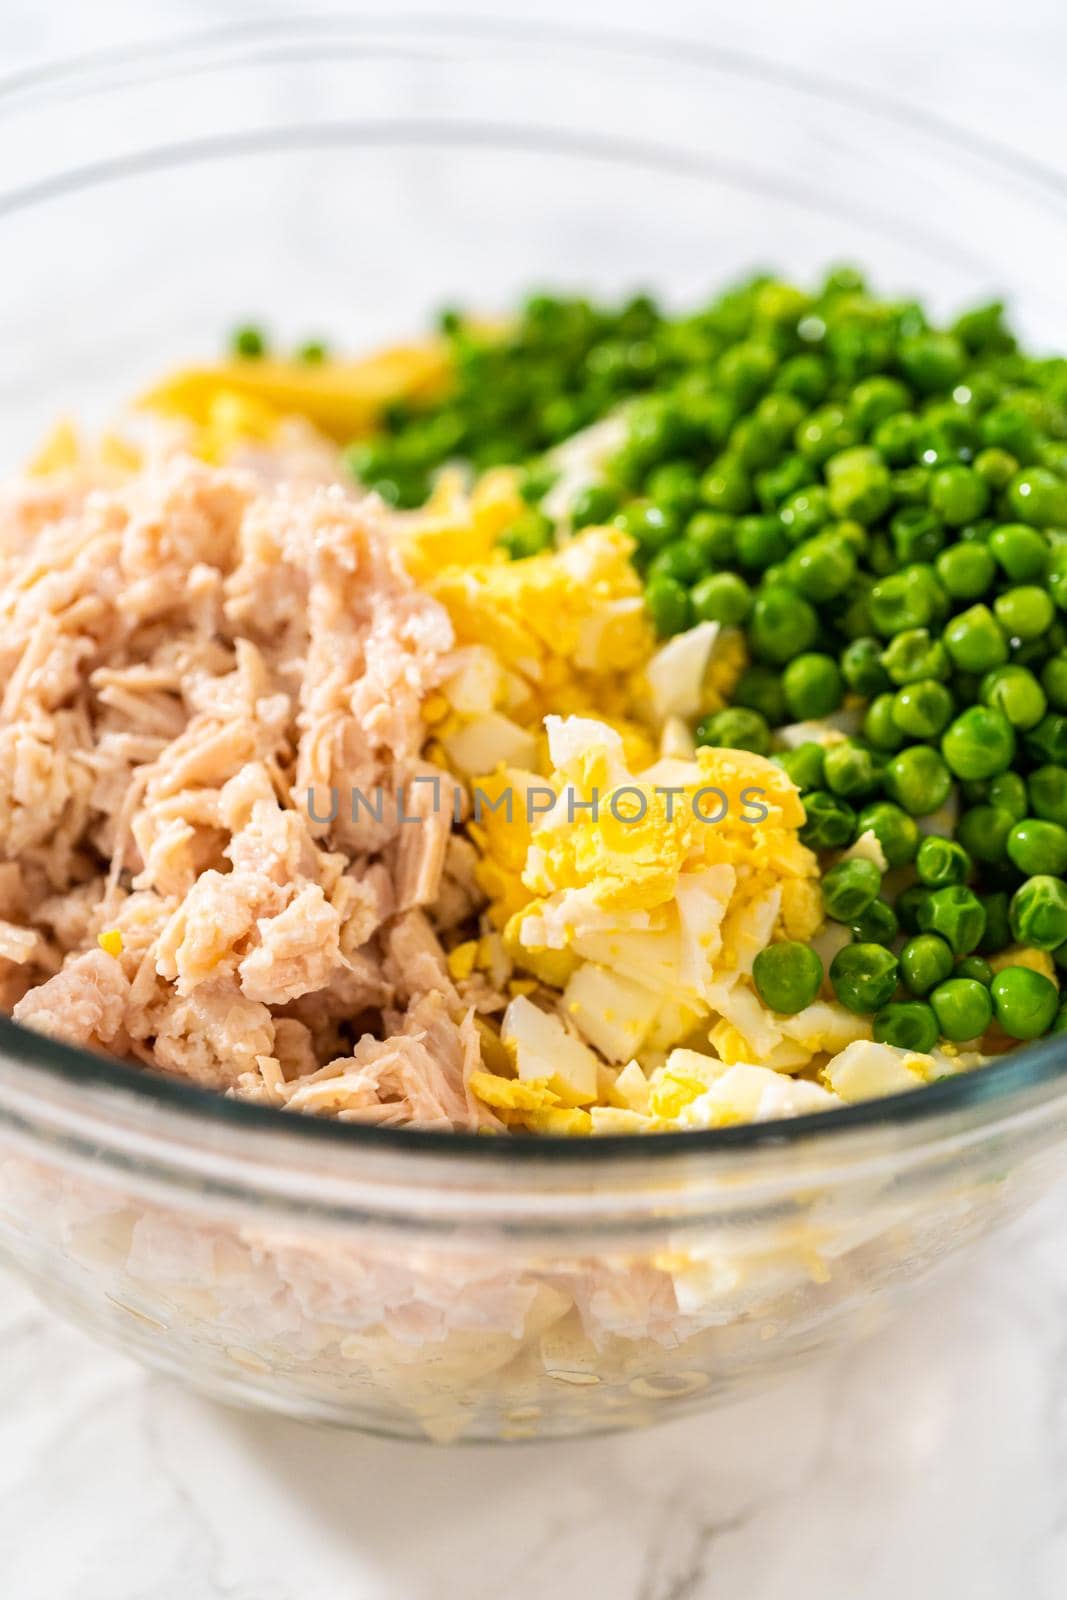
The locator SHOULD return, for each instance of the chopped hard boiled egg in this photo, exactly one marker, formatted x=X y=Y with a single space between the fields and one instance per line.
x=546 y=1053
x=614 y=1013
x=677 y=670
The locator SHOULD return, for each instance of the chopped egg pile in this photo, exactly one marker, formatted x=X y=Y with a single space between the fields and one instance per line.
x=630 y=879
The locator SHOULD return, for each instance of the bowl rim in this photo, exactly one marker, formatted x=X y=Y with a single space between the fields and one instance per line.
x=1001 y=1084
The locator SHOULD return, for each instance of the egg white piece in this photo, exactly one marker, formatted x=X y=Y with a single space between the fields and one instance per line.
x=677 y=671
x=545 y=1050
x=614 y=1014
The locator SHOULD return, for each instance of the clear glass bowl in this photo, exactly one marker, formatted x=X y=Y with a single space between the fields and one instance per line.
x=347 y=177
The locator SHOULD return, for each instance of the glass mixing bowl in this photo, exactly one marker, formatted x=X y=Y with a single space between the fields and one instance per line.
x=347 y=177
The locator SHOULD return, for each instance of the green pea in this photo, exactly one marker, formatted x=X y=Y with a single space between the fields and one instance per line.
x=880 y=725
x=594 y=506
x=923 y=709
x=966 y=571
x=736 y=728
x=668 y=606
x=1056 y=577
x=726 y=486
x=804 y=765
x=1037 y=496
x=932 y=361
x=998 y=934
x=654 y=433
x=527 y=536
x=1053 y=453
x=1025 y=612
x=708 y=417
x=958 y=495
x=911 y=490
x=787 y=976
x=894 y=439
x=830 y=822
x=854 y=620
x=760 y=542
x=1008 y=427
x=1025 y=1002
x=712 y=533
x=1036 y=845
x=805 y=377
x=313 y=352
x=1048 y=793
x=825 y=433
x=957 y=915
x=906 y=1024
x=780 y=304
x=722 y=597
x=647 y=524
x=918 y=534
x=783 y=624
x=864 y=977
x=925 y=961
x=679 y=560
x=918 y=780
x=983 y=329
x=875 y=399
x=975 y=967
x=813 y=687
x=946 y=436
x=855 y=536
x=1016 y=694
x=963 y=1008
x=745 y=370
x=849 y=888
x=778 y=483
x=861 y=667
x=996 y=467
x=976 y=641
x=983 y=833
x=1008 y=792
x=561 y=416
x=1019 y=551
x=979 y=743
x=1048 y=741
x=942 y=861
x=858 y=484
x=751 y=444
x=911 y=598
x=822 y=568
x=850 y=769
x=1054 y=682
x=909 y=904
x=674 y=486
x=877 y=925
x=897 y=832
x=1038 y=912
x=914 y=655
x=804 y=513
x=760 y=689
x=249 y=342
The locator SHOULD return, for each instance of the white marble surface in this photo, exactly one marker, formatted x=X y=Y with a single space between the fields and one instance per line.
x=930 y=1462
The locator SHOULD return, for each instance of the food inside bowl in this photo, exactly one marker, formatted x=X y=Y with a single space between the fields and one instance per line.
x=593 y=721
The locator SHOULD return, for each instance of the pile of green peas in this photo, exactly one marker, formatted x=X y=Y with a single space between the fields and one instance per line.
x=880 y=505
x=517 y=391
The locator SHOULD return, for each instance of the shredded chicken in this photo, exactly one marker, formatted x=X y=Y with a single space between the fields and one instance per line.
x=202 y=669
